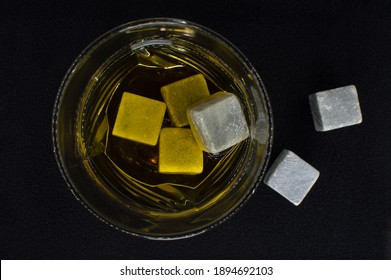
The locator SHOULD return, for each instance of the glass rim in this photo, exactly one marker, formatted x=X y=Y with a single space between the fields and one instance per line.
x=95 y=44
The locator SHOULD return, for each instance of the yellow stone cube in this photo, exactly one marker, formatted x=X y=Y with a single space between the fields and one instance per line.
x=181 y=94
x=139 y=119
x=179 y=153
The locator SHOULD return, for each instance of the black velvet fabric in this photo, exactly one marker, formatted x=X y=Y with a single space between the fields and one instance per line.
x=298 y=47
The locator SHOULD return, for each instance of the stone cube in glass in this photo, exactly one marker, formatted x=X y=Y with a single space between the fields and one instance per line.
x=139 y=119
x=335 y=108
x=291 y=177
x=179 y=153
x=218 y=122
x=181 y=94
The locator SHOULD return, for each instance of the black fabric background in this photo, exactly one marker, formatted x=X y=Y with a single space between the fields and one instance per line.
x=298 y=47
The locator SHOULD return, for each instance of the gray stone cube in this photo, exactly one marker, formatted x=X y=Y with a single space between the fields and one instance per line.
x=291 y=177
x=218 y=122
x=335 y=108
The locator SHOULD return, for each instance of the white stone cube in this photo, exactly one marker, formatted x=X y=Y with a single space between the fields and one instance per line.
x=291 y=177
x=218 y=122
x=335 y=108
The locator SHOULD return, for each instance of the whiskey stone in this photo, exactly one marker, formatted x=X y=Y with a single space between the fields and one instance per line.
x=181 y=94
x=291 y=177
x=335 y=108
x=218 y=122
x=179 y=153
x=139 y=119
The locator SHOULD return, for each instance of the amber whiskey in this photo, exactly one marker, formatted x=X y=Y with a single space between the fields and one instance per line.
x=128 y=170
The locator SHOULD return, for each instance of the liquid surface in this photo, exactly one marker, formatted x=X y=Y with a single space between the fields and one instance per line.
x=129 y=170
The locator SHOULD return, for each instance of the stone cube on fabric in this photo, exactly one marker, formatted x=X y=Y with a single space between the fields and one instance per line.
x=218 y=122
x=139 y=119
x=291 y=177
x=335 y=108
x=179 y=153
x=181 y=94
